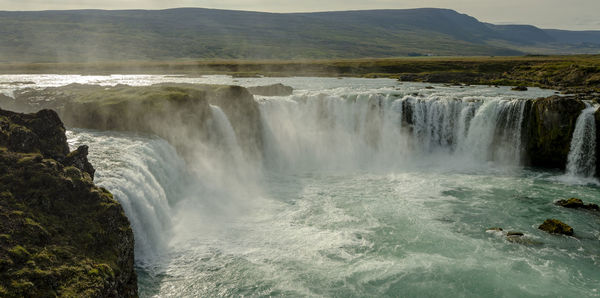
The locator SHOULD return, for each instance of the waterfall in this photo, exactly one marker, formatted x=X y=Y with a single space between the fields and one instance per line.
x=144 y=174
x=367 y=131
x=582 y=155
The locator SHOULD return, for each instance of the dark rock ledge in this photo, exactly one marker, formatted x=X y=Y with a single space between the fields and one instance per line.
x=60 y=235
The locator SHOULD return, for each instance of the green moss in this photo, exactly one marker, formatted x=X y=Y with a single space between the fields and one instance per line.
x=19 y=253
x=72 y=172
x=22 y=285
x=555 y=226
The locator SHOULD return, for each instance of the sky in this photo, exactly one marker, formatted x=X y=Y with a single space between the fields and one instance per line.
x=558 y=14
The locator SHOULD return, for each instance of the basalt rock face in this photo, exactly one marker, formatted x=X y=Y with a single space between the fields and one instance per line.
x=549 y=129
x=243 y=114
x=272 y=90
x=179 y=113
x=60 y=235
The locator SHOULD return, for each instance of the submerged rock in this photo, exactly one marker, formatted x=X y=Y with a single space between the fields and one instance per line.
x=576 y=203
x=494 y=229
x=555 y=226
x=519 y=238
x=519 y=88
x=60 y=235
x=271 y=90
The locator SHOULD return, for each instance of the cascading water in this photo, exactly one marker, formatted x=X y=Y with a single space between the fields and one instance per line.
x=145 y=174
x=582 y=156
x=363 y=191
x=367 y=131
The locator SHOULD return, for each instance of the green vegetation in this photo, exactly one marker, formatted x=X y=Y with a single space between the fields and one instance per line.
x=94 y=35
x=580 y=73
x=59 y=234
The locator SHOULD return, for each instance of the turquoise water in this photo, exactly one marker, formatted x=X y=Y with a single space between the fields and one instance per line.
x=417 y=232
x=401 y=234
x=349 y=202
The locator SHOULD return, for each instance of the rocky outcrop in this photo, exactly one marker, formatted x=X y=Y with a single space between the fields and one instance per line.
x=243 y=114
x=78 y=159
x=555 y=226
x=42 y=132
x=272 y=90
x=549 y=129
x=179 y=113
x=575 y=203
x=60 y=235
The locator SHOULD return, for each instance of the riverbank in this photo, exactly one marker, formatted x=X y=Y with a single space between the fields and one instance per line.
x=569 y=74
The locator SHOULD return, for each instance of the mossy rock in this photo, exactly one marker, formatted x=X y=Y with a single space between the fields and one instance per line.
x=555 y=226
x=60 y=235
x=575 y=203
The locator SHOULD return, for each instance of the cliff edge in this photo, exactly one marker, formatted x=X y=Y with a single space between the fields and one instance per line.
x=60 y=235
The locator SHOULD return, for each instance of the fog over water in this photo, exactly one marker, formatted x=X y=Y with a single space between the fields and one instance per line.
x=365 y=187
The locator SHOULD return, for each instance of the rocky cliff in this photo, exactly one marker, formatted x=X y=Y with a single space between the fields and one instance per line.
x=550 y=123
x=60 y=235
x=179 y=113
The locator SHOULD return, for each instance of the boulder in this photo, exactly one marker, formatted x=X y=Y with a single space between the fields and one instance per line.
x=576 y=203
x=550 y=124
x=519 y=88
x=271 y=90
x=555 y=226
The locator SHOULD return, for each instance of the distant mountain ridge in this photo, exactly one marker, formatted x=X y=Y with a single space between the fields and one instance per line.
x=91 y=35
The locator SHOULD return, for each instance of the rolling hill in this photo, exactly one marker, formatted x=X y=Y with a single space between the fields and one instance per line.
x=101 y=35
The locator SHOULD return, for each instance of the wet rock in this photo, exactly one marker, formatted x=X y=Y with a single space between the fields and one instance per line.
x=513 y=233
x=243 y=113
x=555 y=226
x=550 y=123
x=519 y=238
x=78 y=158
x=519 y=88
x=271 y=90
x=576 y=203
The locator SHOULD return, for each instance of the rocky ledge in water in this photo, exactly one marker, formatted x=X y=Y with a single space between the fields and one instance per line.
x=555 y=226
x=271 y=90
x=178 y=113
x=576 y=203
x=60 y=235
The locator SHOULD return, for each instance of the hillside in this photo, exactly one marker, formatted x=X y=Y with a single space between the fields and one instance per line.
x=93 y=35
